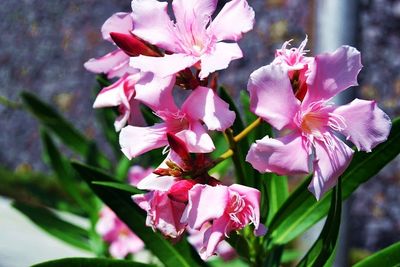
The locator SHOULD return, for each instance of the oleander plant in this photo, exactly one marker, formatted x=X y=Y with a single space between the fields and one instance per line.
x=196 y=177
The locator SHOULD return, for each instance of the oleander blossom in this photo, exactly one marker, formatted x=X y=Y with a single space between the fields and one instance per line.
x=193 y=38
x=233 y=207
x=312 y=122
x=202 y=106
x=121 y=239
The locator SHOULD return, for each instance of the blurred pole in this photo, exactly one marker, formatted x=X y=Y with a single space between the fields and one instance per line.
x=336 y=25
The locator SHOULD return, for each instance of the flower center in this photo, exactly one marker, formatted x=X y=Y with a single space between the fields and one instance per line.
x=313 y=122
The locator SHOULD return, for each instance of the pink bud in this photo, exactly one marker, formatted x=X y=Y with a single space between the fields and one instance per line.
x=132 y=45
x=179 y=191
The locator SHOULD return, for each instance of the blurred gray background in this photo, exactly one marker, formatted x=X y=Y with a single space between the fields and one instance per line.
x=44 y=44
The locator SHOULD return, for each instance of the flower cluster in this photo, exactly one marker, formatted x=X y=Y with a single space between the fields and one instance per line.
x=157 y=54
x=295 y=94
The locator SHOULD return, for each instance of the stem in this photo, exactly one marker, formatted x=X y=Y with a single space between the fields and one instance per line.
x=235 y=156
x=234 y=139
x=247 y=130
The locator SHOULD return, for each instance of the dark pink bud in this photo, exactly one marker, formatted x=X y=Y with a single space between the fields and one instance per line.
x=179 y=191
x=132 y=45
x=179 y=147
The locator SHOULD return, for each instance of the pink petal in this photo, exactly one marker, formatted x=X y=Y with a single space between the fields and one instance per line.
x=201 y=198
x=117 y=93
x=285 y=155
x=214 y=235
x=252 y=198
x=163 y=66
x=331 y=73
x=205 y=105
x=137 y=173
x=156 y=92
x=120 y=22
x=329 y=164
x=152 y=23
x=219 y=58
x=235 y=18
x=366 y=124
x=135 y=141
x=194 y=11
x=271 y=96
x=196 y=139
x=155 y=182
x=111 y=62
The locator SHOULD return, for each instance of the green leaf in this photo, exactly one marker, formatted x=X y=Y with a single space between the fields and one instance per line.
x=120 y=186
x=121 y=203
x=387 y=257
x=300 y=211
x=65 y=173
x=325 y=245
x=58 y=125
x=246 y=175
x=89 y=262
x=55 y=226
x=277 y=192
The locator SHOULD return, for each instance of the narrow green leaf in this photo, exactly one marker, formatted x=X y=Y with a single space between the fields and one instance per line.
x=121 y=203
x=300 y=211
x=64 y=172
x=387 y=257
x=120 y=186
x=244 y=171
x=90 y=262
x=277 y=191
x=122 y=168
x=58 y=125
x=325 y=245
x=55 y=226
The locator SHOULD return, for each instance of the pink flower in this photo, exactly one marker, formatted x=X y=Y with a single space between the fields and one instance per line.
x=121 y=239
x=202 y=106
x=312 y=120
x=233 y=208
x=116 y=63
x=224 y=250
x=192 y=39
x=163 y=213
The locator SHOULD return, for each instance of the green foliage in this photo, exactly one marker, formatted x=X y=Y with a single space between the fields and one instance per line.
x=88 y=262
x=58 y=125
x=55 y=226
x=388 y=257
x=325 y=245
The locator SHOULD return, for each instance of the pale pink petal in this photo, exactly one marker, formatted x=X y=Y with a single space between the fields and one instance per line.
x=193 y=11
x=201 y=198
x=196 y=138
x=120 y=22
x=156 y=182
x=133 y=243
x=163 y=66
x=252 y=199
x=331 y=73
x=330 y=162
x=137 y=173
x=152 y=23
x=205 y=105
x=366 y=124
x=106 y=63
x=135 y=141
x=285 y=156
x=219 y=58
x=156 y=92
x=235 y=18
x=271 y=96
x=135 y=116
x=111 y=96
x=214 y=235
